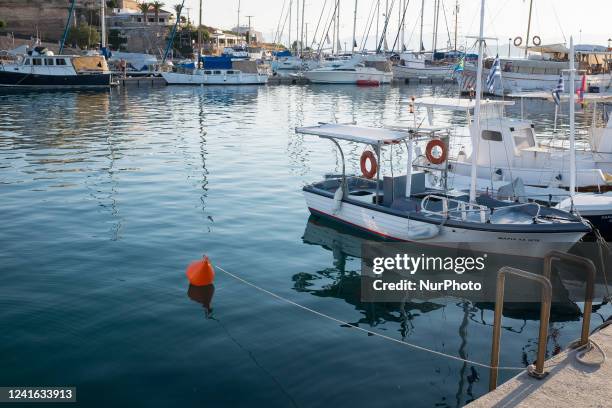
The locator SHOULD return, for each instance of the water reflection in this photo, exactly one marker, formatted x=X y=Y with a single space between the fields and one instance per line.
x=203 y=295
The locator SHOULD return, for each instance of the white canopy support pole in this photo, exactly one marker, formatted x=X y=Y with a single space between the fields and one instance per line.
x=410 y=146
x=572 y=121
x=476 y=124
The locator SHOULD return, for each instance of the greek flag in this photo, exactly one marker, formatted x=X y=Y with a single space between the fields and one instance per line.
x=494 y=74
x=559 y=89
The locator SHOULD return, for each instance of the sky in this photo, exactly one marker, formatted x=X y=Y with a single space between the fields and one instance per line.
x=552 y=20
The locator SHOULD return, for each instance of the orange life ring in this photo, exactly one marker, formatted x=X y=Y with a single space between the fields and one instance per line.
x=429 y=151
x=368 y=155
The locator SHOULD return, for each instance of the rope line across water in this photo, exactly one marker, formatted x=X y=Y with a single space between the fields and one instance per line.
x=404 y=343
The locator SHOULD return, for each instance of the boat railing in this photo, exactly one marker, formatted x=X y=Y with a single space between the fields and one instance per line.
x=453 y=208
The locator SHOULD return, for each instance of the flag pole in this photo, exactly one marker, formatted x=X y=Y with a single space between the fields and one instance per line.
x=556 y=112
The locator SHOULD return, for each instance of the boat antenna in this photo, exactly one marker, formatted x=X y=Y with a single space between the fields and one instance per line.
x=528 y=28
x=67 y=29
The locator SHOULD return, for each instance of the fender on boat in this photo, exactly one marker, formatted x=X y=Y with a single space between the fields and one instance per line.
x=422 y=231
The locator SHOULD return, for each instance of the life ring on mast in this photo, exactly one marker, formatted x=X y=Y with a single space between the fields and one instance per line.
x=431 y=145
x=368 y=156
x=537 y=40
x=518 y=41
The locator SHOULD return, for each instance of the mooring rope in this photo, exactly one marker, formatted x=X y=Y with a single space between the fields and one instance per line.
x=372 y=333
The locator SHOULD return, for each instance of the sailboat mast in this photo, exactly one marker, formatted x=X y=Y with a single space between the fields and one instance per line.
x=421 y=34
x=377 y=22
x=572 y=86
x=456 y=22
x=103 y=24
x=354 y=29
x=403 y=22
x=200 y=37
x=476 y=120
x=528 y=27
x=338 y=28
x=302 y=32
x=434 y=41
x=238 y=21
x=290 y=7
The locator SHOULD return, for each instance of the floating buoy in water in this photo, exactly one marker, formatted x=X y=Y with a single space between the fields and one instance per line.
x=200 y=273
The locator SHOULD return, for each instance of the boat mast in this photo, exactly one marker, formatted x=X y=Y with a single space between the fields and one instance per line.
x=302 y=33
x=354 y=28
x=103 y=25
x=434 y=41
x=200 y=37
x=476 y=120
x=421 y=35
x=377 y=22
x=528 y=27
x=67 y=29
x=403 y=8
x=338 y=28
x=238 y=21
x=290 y=6
x=297 y=26
x=572 y=78
x=456 y=21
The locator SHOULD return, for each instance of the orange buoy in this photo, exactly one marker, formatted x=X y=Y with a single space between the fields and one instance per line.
x=200 y=273
x=368 y=156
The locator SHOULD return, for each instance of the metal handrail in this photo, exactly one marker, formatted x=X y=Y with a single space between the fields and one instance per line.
x=544 y=320
x=460 y=207
x=590 y=287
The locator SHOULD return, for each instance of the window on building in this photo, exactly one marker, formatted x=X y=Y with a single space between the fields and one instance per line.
x=26 y=62
x=491 y=135
x=49 y=61
x=37 y=61
x=162 y=20
x=140 y=19
x=151 y=20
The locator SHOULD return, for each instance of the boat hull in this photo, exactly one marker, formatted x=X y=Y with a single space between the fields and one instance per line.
x=402 y=228
x=28 y=80
x=516 y=82
x=174 y=78
x=435 y=72
x=348 y=77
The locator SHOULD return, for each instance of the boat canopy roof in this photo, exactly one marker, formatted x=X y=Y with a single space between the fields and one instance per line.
x=457 y=103
x=352 y=133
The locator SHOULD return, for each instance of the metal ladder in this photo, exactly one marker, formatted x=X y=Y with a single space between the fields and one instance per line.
x=546 y=300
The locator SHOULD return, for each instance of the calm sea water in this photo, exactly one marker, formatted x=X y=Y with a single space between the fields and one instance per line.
x=105 y=199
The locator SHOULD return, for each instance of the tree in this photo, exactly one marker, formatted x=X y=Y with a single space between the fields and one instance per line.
x=144 y=9
x=157 y=5
x=112 y=4
x=116 y=40
x=178 y=8
x=84 y=36
x=2 y=24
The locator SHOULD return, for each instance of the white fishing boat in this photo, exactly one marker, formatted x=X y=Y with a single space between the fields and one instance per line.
x=215 y=77
x=414 y=65
x=514 y=151
x=218 y=71
x=353 y=71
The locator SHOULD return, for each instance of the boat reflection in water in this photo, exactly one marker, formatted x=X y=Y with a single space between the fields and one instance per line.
x=345 y=243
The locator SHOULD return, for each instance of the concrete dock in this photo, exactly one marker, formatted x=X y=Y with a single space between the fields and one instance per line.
x=569 y=384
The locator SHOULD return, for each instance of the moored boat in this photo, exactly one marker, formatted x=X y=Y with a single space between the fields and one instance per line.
x=41 y=69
